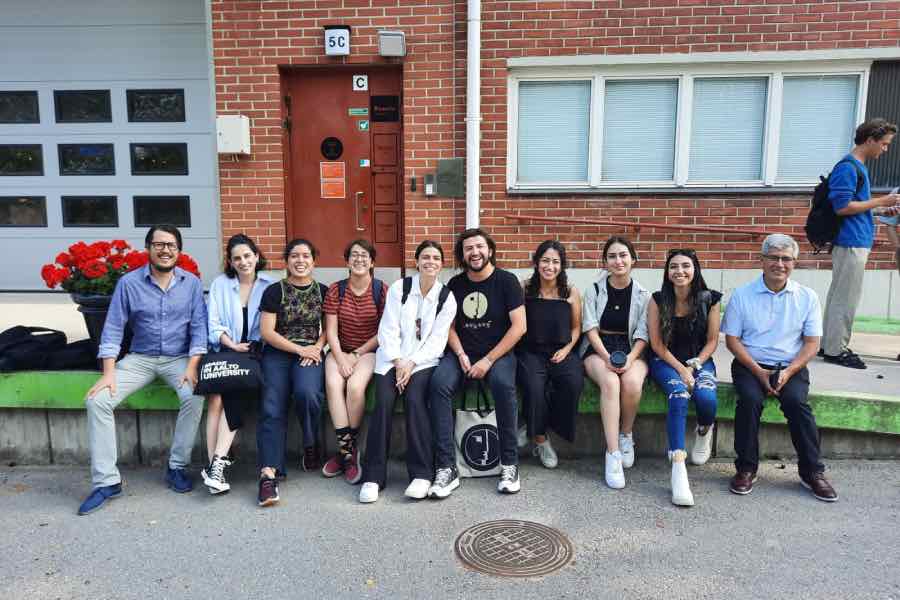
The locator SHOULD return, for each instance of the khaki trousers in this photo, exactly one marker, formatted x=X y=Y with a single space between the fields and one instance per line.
x=847 y=270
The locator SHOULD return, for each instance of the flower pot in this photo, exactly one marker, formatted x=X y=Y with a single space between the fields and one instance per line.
x=93 y=308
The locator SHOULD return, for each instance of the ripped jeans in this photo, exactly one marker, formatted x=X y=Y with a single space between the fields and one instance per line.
x=703 y=395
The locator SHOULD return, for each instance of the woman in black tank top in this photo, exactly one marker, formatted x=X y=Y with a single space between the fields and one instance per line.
x=551 y=376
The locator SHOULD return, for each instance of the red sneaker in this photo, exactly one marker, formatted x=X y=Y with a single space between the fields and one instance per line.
x=333 y=467
x=352 y=470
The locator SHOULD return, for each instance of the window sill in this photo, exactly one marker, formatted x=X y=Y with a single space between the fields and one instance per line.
x=657 y=191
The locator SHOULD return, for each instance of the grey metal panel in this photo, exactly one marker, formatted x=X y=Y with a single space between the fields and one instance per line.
x=121 y=45
x=126 y=52
x=884 y=101
x=75 y=13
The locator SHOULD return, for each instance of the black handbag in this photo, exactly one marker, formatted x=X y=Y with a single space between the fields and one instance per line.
x=228 y=372
x=23 y=348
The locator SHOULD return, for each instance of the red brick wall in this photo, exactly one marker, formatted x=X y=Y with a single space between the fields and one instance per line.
x=252 y=39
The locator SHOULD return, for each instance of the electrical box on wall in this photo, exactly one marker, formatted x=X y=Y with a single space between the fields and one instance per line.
x=233 y=134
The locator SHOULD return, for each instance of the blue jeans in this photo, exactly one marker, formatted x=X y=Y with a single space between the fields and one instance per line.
x=703 y=395
x=284 y=378
x=446 y=380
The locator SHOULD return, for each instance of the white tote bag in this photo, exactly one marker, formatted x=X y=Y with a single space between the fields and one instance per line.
x=477 y=438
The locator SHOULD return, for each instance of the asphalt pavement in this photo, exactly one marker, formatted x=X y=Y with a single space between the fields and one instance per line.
x=778 y=542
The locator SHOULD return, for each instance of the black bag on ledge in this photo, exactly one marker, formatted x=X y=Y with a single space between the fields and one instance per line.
x=29 y=348
x=228 y=372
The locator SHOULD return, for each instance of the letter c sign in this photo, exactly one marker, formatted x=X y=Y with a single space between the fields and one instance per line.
x=360 y=83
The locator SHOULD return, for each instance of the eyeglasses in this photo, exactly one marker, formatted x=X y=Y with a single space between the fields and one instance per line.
x=164 y=245
x=785 y=260
x=359 y=256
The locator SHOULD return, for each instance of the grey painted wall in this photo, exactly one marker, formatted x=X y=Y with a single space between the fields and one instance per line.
x=116 y=45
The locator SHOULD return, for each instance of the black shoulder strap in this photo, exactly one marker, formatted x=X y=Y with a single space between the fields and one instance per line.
x=376 y=292
x=342 y=289
x=407 y=288
x=597 y=288
x=859 y=173
x=442 y=297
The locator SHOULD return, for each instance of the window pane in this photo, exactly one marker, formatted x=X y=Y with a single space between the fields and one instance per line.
x=21 y=159
x=19 y=107
x=86 y=159
x=82 y=106
x=155 y=106
x=727 y=130
x=639 y=130
x=554 y=121
x=90 y=211
x=23 y=211
x=159 y=159
x=817 y=125
x=152 y=210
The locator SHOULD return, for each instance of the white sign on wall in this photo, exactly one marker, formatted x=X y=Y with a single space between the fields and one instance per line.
x=337 y=40
x=360 y=83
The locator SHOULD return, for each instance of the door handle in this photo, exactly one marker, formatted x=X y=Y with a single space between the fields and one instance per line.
x=357 y=196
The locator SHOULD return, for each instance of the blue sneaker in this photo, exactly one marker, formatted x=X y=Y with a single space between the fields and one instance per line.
x=98 y=498
x=178 y=480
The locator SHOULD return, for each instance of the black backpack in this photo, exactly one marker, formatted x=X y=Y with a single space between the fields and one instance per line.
x=376 y=291
x=822 y=223
x=23 y=348
x=442 y=295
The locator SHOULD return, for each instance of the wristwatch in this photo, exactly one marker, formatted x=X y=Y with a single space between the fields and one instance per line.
x=355 y=353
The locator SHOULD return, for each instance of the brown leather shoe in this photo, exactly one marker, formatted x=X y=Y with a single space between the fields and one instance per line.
x=819 y=487
x=742 y=483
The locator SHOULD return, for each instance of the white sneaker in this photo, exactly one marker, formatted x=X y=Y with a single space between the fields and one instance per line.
x=214 y=476
x=546 y=453
x=702 y=449
x=681 y=489
x=509 y=479
x=615 y=476
x=368 y=493
x=522 y=436
x=626 y=447
x=417 y=489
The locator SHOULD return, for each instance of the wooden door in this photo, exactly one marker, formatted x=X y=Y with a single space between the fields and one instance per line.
x=345 y=160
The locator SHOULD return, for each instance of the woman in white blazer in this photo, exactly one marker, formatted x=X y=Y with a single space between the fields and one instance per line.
x=411 y=340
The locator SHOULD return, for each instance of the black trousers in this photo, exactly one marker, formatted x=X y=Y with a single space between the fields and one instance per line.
x=799 y=415
x=550 y=391
x=419 y=445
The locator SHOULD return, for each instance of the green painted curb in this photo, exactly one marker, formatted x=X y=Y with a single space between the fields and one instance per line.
x=833 y=410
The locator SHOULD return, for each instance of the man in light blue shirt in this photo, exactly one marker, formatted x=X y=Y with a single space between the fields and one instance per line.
x=772 y=327
x=164 y=307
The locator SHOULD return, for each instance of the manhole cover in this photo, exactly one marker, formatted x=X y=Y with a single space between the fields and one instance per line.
x=513 y=548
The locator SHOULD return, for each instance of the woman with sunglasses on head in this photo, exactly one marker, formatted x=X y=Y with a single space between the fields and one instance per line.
x=683 y=320
x=233 y=319
x=614 y=321
x=546 y=362
x=353 y=308
x=292 y=327
x=411 y=340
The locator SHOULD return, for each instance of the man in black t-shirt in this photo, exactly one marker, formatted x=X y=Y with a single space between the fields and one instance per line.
x=490 y=320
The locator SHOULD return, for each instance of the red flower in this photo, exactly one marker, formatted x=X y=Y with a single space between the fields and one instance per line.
x=136 y=260
x=48 y=274
x=188 y=264
x=120 y=245
x=94 y=268
x=116 y=261
x=100 y=249
x=79 y=251
x=64 y=259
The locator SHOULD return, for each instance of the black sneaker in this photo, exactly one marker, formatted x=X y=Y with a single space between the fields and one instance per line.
x=509 y=479
x=311 y=460
x=446 y=479
x=846 y=359
x=268 y=491
x=214 y=476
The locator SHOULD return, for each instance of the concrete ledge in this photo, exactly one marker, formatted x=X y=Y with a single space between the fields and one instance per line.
x=42 y=421
x=833 y=410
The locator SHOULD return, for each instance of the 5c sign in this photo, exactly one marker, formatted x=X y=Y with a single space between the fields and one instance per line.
x=337 y=40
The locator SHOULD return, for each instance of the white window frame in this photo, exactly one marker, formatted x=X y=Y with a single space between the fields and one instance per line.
x=685 y=74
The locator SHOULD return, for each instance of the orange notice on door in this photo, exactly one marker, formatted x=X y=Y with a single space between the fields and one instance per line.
x=333 y=180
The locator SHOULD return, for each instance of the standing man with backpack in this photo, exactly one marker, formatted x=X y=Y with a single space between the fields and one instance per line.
x=850 y=197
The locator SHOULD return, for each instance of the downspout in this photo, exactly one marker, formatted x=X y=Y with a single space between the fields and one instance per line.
x=473 y=112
